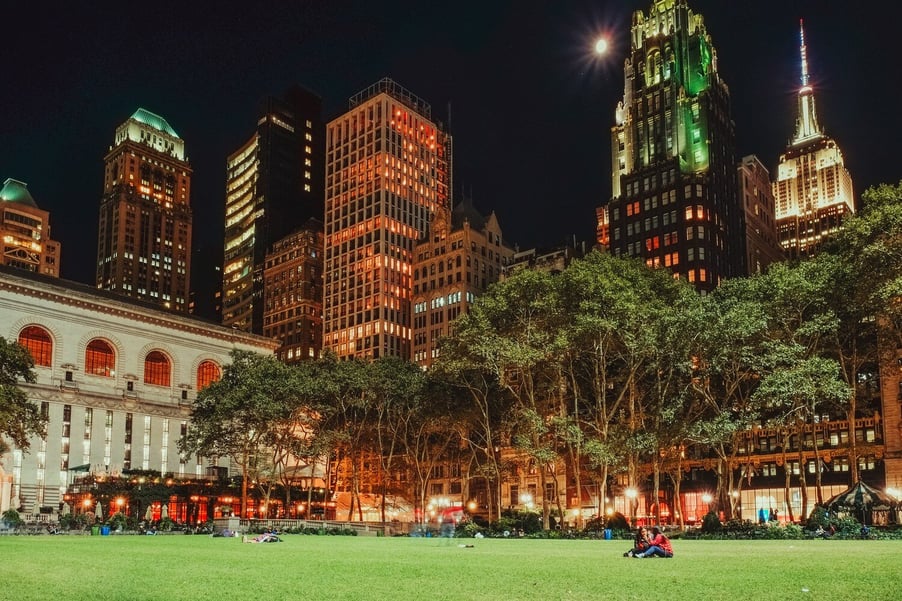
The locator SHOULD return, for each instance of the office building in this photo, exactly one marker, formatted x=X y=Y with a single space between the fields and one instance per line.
x=463 y=253
x=386 y=176
x=813 y=190
x=274 y=184
x=674 y=200
x=25 y=230
x=293 y=293
x=144 y=241
x=756 y=195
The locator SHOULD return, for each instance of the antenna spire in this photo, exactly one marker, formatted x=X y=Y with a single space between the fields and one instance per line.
x=804 y=53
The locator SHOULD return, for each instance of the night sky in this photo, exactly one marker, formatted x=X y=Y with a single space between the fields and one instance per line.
x=531 y=107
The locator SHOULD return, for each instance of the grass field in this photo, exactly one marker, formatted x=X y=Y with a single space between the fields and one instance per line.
x=175 y=568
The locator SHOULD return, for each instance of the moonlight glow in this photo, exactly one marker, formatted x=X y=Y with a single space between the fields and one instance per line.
x=601 y=46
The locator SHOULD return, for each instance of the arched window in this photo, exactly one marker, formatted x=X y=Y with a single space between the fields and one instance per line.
x=207 y=373
x=38 y=343
x=156 y=369
x=100 y=360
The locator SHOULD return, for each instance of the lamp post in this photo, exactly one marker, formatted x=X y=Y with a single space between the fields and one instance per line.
x=706 y=499
x=632 y=495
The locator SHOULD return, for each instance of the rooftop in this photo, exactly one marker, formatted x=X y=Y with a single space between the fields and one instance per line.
x=155 y=121
x=15 y=191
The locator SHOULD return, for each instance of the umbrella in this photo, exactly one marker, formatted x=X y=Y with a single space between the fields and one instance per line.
x=66 y=510
x=164 y=512
x=98 y=511
x=859 y=497
x=148 y=515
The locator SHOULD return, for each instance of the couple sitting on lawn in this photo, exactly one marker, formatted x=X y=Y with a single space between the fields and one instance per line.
x=655 y=545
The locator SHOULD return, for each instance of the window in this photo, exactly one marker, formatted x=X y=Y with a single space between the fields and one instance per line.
x=156 y=369
x=100 y=360
x=207 y=373
x=37 y=341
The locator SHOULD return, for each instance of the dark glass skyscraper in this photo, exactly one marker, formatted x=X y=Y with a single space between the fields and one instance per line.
x=274 y=184
x=674 y=200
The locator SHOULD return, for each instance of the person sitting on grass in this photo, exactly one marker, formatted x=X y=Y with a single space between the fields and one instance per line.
x=660 y=545
x=640 y=542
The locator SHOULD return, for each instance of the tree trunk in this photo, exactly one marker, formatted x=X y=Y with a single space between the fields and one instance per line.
x=853 y=442
x=818 y=488
x=787 y=499
x=803 y=484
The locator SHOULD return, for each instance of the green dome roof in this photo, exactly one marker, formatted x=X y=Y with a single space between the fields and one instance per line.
x=15 y=191
x=155 y=121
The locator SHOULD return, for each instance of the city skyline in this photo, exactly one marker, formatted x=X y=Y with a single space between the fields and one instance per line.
x=517 y=75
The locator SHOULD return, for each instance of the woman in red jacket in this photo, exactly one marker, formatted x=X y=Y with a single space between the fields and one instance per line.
x=660 y=545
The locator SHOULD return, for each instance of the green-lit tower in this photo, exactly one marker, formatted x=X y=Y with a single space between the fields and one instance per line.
x=674 y=200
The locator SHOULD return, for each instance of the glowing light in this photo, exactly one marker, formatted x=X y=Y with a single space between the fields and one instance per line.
x=601 y=46
x=631 y=493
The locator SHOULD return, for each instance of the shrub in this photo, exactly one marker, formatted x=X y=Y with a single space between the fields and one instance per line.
x=12 y=519
x=118 y=521
x=711 y=523
x=617 y=521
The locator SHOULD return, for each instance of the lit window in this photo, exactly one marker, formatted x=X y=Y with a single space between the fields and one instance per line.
x=207 y=373
x=38 y=343
x=100 y=360
x=156 y=369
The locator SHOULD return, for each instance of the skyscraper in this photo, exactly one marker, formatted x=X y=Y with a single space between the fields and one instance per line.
x=674 y=181
x=813 y=190
x=144 y=241
x=386 y=176
x=25 y=230
x=274 y=183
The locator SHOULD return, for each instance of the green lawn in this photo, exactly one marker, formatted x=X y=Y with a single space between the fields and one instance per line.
x=173 y=568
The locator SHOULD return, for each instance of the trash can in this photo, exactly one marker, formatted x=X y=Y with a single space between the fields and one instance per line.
x=607 y=534
x=95 y=530
x=104 y=531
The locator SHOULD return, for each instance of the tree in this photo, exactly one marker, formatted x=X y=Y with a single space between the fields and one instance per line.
x=345 y=389
x=865 y=287
x=236 y=416
x=729 y=362
x=400 y=404
x=20 y=418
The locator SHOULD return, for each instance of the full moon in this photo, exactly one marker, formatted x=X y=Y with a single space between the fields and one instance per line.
x=601 y=46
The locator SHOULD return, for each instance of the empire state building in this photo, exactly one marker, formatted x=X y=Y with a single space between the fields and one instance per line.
x=813 y=191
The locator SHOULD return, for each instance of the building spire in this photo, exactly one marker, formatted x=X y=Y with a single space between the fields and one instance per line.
x=807 y=127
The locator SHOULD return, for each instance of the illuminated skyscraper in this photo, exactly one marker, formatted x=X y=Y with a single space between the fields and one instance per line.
x=25 y=230
x=386 y=176
x=674 y=201
x=274 y=184
x=813 y=190
x=144 y=242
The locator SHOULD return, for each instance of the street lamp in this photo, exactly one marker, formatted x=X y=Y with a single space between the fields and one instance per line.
x=706 y=499
x=633 y=495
